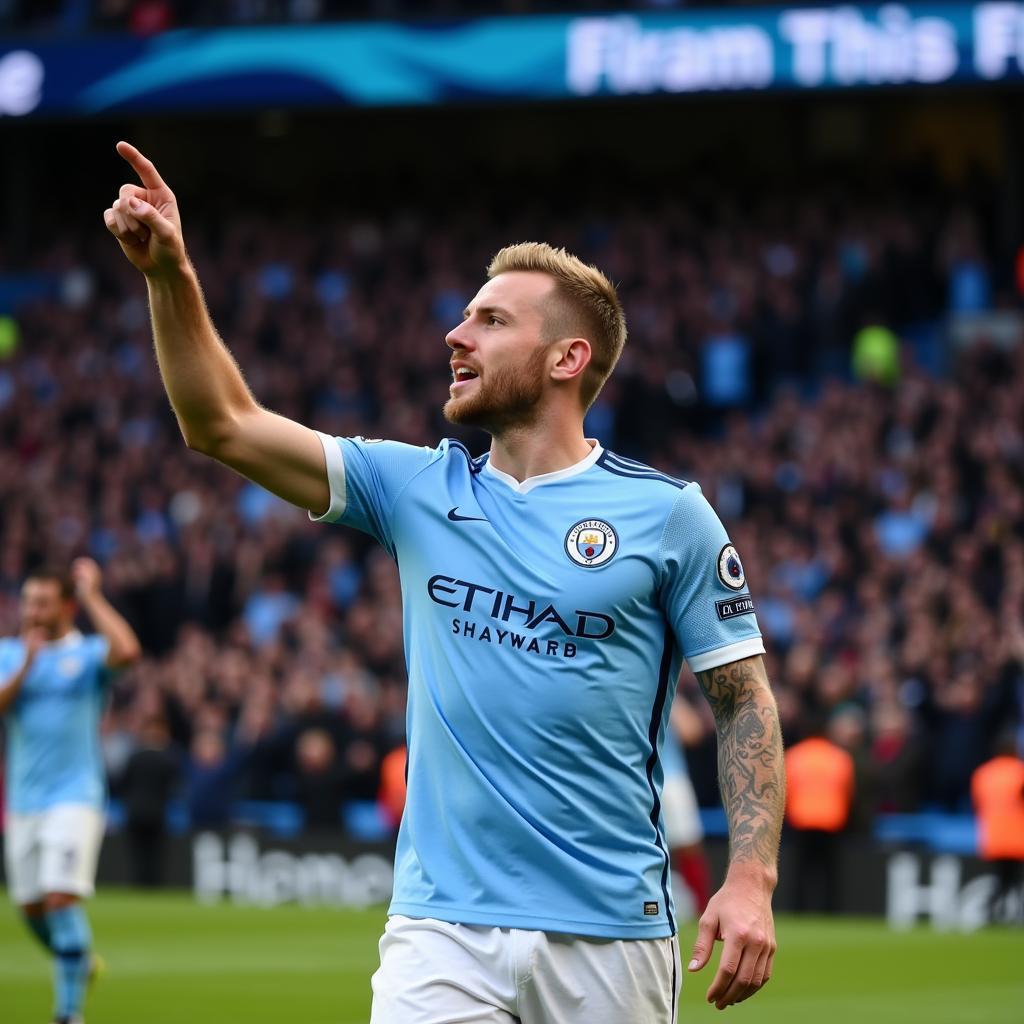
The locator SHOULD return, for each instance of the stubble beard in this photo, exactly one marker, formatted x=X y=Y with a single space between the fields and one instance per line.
x=509 y=398
x=49 y=627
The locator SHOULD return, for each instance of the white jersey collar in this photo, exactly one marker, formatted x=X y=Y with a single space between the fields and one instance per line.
x=527 y=485
x=72 y=636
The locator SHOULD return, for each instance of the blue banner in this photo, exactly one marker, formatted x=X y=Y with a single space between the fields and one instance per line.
x=516 y=58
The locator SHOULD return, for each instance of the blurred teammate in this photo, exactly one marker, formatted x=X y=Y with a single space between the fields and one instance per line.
x=683 y=829
x=551 y=591
x=52 y=686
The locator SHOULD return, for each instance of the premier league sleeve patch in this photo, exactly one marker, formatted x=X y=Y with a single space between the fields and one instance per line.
x=730 y=568
x=591 y=542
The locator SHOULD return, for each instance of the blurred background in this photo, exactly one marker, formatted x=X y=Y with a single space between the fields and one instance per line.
x=814 y=217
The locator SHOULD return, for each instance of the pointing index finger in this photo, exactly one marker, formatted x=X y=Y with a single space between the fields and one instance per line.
x=142 y=165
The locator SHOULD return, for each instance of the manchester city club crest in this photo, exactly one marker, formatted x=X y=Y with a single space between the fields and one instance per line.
x=70 y=666
x=591 y=542
x=730 y=568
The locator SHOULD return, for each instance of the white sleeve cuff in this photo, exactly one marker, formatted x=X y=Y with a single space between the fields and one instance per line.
x=335 y=479
x=726 y=655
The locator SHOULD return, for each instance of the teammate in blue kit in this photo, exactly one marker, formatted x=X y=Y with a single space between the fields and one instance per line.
x=551 y=591
x=683 y=827
x=52 y=687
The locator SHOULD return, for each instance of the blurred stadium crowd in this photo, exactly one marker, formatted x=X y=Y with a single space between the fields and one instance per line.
x=146 y=17
x=788 y=354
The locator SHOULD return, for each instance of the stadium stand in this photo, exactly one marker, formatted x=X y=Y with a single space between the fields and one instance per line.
x=790 y=354
x=147 y=17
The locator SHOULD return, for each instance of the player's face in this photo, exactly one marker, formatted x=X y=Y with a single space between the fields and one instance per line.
x=42 y=607
x=499 y=356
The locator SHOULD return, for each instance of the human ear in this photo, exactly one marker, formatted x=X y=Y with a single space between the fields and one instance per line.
x=573 y=359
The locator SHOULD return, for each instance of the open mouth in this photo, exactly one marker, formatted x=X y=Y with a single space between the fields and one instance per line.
x=462 y=375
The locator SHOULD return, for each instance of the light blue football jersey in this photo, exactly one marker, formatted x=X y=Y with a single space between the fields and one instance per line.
x=673 y=755
x=545 y=626
x=53 y=727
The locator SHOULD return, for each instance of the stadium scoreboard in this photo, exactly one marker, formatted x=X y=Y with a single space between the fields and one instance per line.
x=508 y=58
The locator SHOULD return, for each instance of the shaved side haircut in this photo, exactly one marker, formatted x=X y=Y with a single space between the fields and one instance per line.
x=584 y=305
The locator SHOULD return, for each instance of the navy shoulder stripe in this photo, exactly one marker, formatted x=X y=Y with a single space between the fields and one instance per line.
x=475 y=464
x=631 y=466
x=626 y=463
x=635 y=470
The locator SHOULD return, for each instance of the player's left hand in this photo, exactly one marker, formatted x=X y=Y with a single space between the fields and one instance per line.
x=35 y=640
x=740 y=916
x=87 y=577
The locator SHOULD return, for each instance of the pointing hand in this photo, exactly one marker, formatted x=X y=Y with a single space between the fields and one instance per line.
x=144 y=219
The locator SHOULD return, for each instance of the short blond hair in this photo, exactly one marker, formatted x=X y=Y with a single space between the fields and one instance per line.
x=585 y=306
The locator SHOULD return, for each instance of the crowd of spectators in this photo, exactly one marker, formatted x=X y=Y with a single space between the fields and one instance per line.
x=147 y=17
x=880 y=518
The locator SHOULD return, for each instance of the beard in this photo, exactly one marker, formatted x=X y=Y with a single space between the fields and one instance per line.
x=50 y=628
x=509 y=397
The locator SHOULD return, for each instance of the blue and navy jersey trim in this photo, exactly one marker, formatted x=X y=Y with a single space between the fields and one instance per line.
x=621 y=466
x=475 y=464
x=656 y=715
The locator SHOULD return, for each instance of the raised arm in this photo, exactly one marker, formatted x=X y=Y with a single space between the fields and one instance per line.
x=216 y=411
x=751 y=775
x=123 y=644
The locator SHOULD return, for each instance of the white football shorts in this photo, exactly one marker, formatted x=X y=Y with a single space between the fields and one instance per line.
x=55 y=850
x=682 y=817
x=435 y=972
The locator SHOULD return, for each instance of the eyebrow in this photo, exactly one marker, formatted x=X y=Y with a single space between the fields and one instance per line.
x=489 y=311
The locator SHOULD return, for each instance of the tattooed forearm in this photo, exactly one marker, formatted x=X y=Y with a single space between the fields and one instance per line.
x=751 y=774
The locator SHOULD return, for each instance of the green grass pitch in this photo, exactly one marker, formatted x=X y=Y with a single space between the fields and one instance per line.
x=172 y=960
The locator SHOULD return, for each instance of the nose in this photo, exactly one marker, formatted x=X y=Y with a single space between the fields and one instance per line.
x=459 y=337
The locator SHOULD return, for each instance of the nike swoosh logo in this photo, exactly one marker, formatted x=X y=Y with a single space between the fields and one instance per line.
x=453 y=515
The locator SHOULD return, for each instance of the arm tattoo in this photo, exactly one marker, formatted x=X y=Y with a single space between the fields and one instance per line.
x=751 y=773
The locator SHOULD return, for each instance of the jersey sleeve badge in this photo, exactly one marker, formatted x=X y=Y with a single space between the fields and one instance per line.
x=730 y=568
